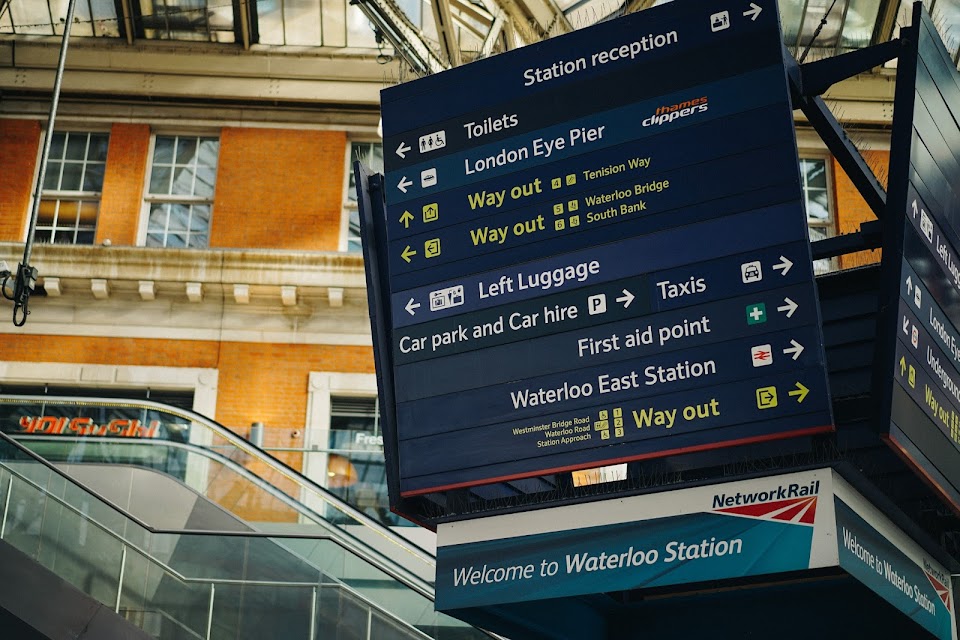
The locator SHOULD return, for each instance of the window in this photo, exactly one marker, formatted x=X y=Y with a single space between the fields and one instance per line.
x=816 y=196
x=180 y=191
x=72 y=184
x=356 y=471
x=370 y=154
x=199 y=20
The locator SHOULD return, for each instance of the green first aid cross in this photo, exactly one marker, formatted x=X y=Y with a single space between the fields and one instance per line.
x=756 y=313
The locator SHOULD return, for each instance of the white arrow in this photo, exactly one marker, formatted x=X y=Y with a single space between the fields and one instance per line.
x=790 y=307
x=403 y=184
x=914 y=206
x=402 y=150
x=906 y=325
x=411 y=306
x=783 y=266
x=753 y=11
x=626 y=298
x=909 y=284
x=796 y=349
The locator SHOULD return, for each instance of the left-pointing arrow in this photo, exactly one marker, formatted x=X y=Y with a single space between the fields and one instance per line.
x=799 y=393
x=405 y=219
x=404 y=183
x=402 y=149
x=408 y=253
x=412 y=306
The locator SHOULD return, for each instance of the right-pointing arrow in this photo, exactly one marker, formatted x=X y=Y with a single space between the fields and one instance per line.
x=783 y=266
x=404 y=183
x=753 y=11
x=799 y=393
x=789 y=307
x=794 y=350
x=626 y=298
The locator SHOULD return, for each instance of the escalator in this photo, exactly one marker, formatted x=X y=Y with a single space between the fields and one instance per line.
x=190 y=532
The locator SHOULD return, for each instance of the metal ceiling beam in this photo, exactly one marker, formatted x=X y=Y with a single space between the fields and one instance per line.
x=406 y=40
x=449 y=45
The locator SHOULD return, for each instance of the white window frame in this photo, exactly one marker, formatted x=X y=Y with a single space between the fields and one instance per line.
x=150 y=199
x=322 y=387
x=829 y=225
x=74 y=196
x=348 y=207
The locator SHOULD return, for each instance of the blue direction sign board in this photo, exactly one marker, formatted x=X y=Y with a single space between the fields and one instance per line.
x=919 y=366
x=594 y=250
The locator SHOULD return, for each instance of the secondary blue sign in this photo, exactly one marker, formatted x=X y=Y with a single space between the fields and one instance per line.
x=596 y=250
x=918 y=367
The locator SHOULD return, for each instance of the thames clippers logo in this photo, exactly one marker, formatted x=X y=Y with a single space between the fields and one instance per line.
x=669 y=113
x=793 y=502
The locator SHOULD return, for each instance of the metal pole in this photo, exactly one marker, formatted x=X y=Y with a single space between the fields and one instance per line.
x=213 y=591
x=26 y=275
x=123 y=568
x=6 y=507
x=313 y=615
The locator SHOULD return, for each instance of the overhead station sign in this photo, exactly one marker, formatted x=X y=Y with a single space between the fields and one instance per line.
x=919 y=368
x=596 y=251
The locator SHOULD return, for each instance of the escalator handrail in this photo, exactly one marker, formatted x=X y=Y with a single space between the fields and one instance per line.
x=289 y=472
x=371 y=556
x=187 y=533
x=303 y=509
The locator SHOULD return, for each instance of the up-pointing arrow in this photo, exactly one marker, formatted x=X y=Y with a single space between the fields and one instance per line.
x=909 y=284
x=913 y=205
x=405 y=219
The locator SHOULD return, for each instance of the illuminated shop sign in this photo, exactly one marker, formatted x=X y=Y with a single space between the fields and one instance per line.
x=83 y=426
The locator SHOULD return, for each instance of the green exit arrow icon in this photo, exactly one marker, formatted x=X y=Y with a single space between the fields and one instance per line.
x=408 y=253
x=405 y=220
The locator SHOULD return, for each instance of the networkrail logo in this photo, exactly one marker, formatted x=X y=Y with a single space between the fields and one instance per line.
x=793 y=502
x=671 y=112
x=938 y=581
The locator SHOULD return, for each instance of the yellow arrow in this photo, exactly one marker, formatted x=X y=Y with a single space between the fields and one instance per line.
x=903 y=365
x=405 y=220
x=800 y=392
x=407 y=253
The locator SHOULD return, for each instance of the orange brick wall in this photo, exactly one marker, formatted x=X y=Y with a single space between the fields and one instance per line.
x=123 y=184
x=279 y=188
x=257 y=382
x=852 y=210
x=19 y=145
